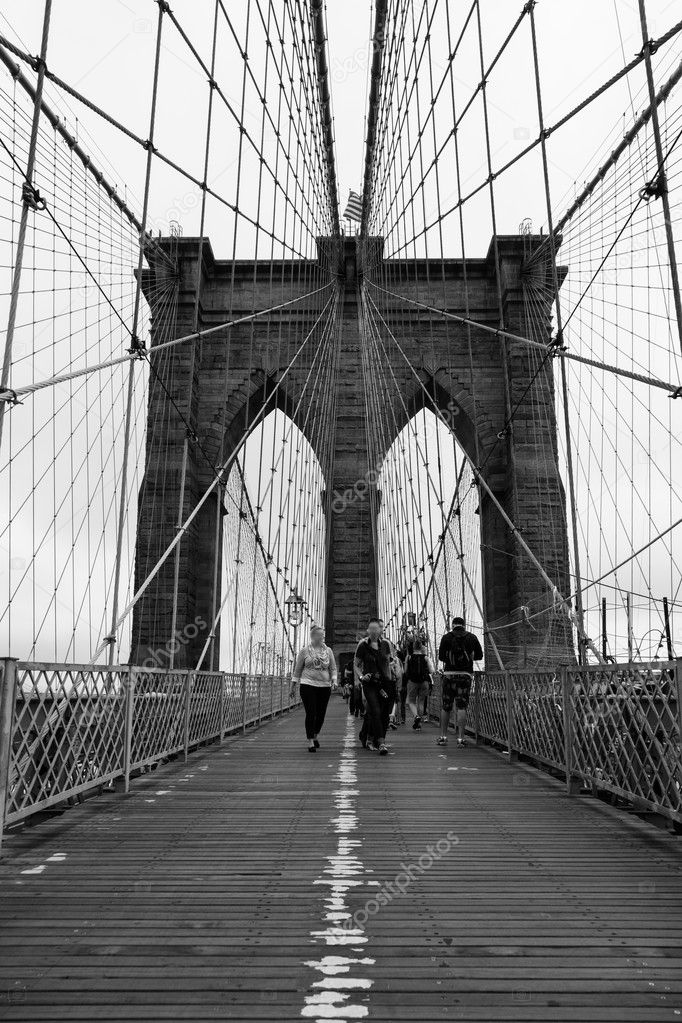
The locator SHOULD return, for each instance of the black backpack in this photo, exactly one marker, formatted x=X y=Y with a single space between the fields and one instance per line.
x=417 y=669
x=459 y=658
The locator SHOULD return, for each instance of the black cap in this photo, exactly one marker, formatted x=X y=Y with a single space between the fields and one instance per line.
x=458 y=623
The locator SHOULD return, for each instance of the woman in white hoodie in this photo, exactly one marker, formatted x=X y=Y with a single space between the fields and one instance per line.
x=315 y=672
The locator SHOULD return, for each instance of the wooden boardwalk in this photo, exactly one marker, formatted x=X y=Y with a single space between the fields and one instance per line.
x=248 y=884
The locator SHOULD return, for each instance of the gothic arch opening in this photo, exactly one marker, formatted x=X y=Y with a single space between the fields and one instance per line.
x=274 y=545
x=427 y=532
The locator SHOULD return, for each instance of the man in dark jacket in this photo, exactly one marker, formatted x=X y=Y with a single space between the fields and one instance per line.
x=373 y=669
x=457 y=651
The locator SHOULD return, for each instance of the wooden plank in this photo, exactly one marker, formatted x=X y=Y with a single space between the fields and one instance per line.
x=198 y=895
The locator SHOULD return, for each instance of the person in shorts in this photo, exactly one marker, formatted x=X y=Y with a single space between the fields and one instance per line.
x=418 y=671
x=457 y=651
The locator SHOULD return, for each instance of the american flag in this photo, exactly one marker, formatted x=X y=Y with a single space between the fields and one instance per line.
x=354 y=207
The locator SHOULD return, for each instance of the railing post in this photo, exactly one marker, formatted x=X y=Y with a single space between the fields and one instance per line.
x=128 y=733
x=243 y=703
x=678 y=693
x=188 y=685
x=477 y=706
x=271 y=679
x=568 y=729
x=281 y=696
x=260 y=696
x=8 y=686
x=513 y=754
x=222 y=706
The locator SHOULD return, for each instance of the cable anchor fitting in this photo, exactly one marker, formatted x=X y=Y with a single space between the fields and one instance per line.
x=650 y=46
x=137 y=347
x=677 y=393
x=655 y=188
x=32 y=197
x=10 y=397
x=556 y=344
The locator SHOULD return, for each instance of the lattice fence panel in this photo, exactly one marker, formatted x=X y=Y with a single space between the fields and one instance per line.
x=491 y=707
x=538 y=716
x=626 y=733
x=232 y=713
x=205 y=706
x=158 y=715
x=67 y=734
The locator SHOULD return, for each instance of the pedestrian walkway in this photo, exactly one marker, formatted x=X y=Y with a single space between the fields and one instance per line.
x=260 y=882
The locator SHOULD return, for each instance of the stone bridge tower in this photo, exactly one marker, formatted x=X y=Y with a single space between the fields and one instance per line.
x=229 y=392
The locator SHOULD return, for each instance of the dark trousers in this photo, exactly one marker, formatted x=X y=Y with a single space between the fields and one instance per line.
x=378 y=711
x=315 y=700
x=403 y=698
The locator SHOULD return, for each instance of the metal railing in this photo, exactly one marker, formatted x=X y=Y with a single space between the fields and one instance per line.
x=614 y=728
x=67 y=729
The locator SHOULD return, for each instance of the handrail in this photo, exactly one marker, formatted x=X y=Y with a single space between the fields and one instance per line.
x=69 y=729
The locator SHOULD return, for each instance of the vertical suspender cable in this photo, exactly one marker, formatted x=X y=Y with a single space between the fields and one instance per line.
x=580 y=620
x=111 y=638
x=661 y=181
x=28 y=203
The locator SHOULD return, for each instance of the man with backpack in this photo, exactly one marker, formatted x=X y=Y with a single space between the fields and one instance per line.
x=457 y=651
x=418 y=671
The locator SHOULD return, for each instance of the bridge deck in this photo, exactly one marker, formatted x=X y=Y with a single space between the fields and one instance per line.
x=216 y=890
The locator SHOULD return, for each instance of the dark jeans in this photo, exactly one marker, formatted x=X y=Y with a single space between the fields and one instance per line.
x=315 y=700
x=378 y=711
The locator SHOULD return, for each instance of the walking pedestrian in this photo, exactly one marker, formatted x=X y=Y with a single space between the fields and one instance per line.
x=418 y=672
x=402 y=657
x=348 y=686
x=397 y=677
x=315 y=672
x=457 y=651
x=356 y=704
x=373 y=666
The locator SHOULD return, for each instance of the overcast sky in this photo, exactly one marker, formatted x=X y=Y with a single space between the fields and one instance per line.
x=105 y=50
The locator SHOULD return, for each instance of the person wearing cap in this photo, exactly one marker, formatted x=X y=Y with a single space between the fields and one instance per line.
x=457 y=651
x=315 y=673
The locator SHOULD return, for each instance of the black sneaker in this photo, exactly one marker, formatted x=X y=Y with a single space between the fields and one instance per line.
x=442 y=740
x=416 y=724
x=383 y=750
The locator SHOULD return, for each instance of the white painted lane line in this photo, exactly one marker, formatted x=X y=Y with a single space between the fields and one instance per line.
x=344 y=871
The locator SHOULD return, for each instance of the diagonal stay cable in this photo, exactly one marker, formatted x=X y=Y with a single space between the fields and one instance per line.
x=209 y=490
x=560 y=599
x=200 y=334
x=664 y=385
